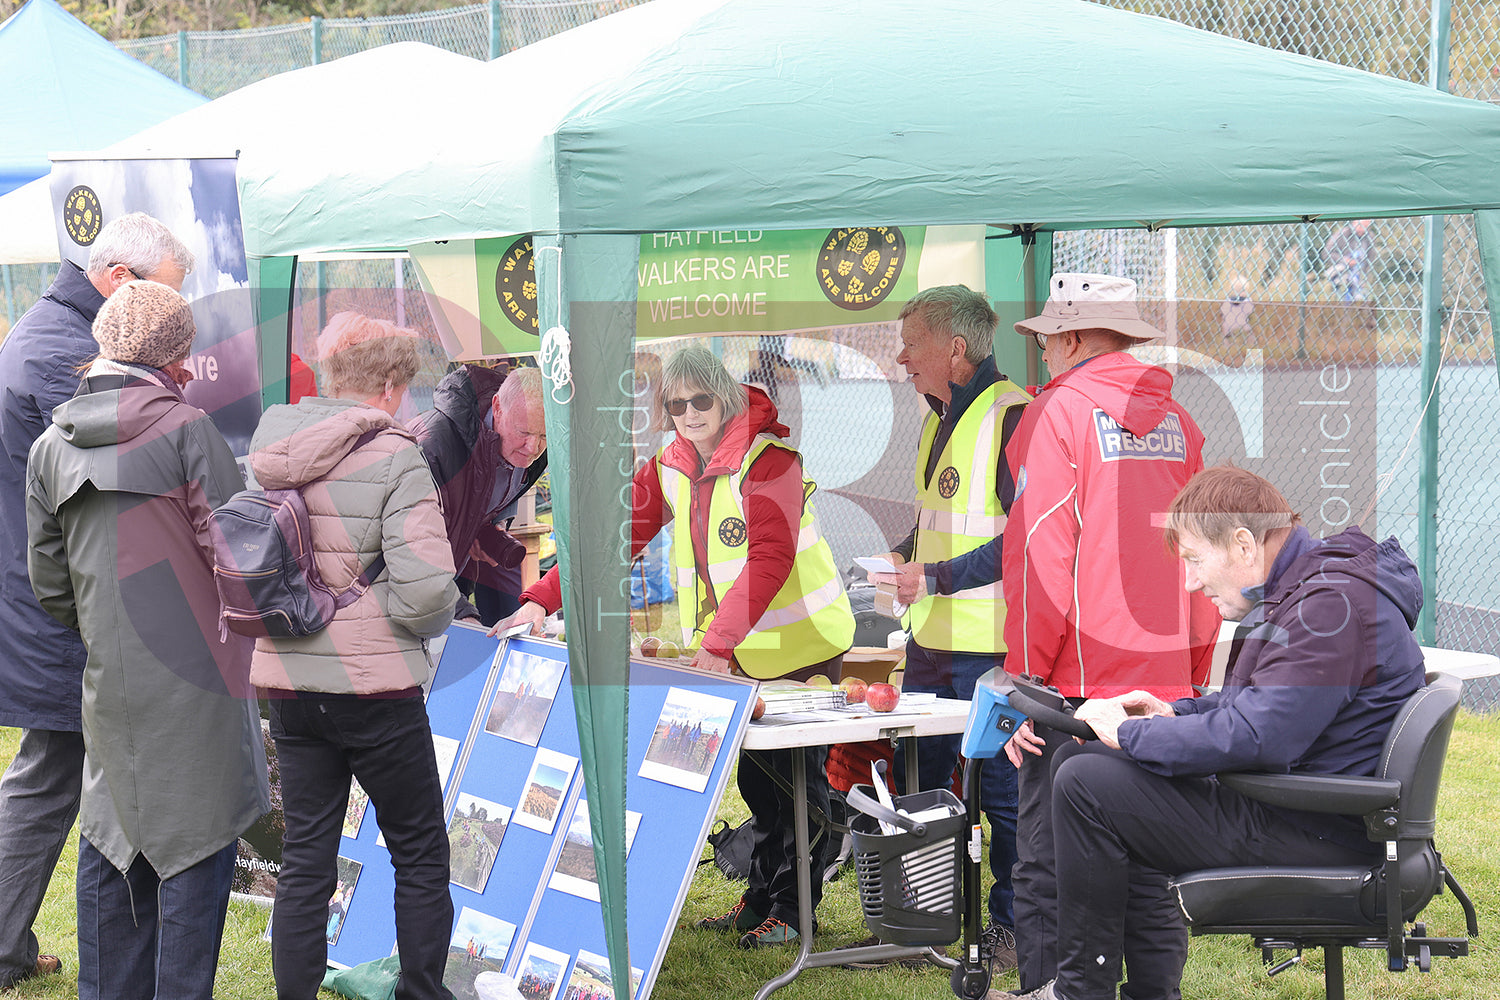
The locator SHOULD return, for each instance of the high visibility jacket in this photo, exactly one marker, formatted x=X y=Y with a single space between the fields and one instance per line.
x=957 y=512
x=809 y=619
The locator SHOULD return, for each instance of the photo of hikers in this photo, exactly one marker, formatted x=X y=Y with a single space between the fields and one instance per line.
x=541 y=972
x=686 y=741
x=478 y=947
x=523 y=698
x=343 y=892
x=590 y=979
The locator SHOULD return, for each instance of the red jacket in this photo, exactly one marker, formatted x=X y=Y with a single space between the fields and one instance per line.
x=773 y=498
x=1095 y=605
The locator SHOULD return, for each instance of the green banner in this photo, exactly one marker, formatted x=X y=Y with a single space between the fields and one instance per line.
x=506 y=275
x=749 y=280
x=484 y=296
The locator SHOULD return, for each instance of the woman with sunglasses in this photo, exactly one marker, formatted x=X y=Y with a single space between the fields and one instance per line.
x=757 y=587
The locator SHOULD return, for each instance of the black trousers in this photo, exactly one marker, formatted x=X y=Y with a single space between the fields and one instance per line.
x=773 y=854
x=1034 y=877
x=1119 y=832
x=387 y=744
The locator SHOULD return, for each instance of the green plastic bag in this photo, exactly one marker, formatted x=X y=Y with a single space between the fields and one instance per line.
x=367 y=981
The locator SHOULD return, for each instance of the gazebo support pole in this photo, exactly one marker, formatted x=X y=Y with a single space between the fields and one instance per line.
x=1432 y=356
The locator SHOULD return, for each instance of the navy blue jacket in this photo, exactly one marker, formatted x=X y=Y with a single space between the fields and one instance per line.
x=41 y=661
x=1319 y=668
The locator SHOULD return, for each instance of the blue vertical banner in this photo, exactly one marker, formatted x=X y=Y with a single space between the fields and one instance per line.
x=198 y=201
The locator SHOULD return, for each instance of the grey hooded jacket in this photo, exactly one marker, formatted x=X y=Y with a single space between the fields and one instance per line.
x=118 y=493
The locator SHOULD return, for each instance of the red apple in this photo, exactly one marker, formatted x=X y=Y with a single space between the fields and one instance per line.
x=854 y=689
x=759 y=709
x=882 y=697
x=650 y=645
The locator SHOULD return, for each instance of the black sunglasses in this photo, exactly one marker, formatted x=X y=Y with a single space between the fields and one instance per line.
x=702 y=402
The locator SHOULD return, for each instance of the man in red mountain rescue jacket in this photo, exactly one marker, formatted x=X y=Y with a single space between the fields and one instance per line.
x=1096 y=605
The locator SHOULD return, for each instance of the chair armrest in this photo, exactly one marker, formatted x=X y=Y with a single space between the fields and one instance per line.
x=1341 y=794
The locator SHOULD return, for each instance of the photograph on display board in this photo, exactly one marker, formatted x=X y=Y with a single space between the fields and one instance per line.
x=354 y=812
x=343 y=893
x=476 y=955
x=541 y=972
x=544 y=791
x=523 y=698
x=590 y=979
x=574 y=872
x=474 y=837
x=688 y=735
x=445 y=749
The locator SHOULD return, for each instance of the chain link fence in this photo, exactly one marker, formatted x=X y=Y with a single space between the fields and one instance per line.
x=217 y=62
x=1293 y=324
x=1283 y=330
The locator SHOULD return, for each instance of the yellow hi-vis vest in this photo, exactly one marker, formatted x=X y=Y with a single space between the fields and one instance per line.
x=808 y=620
x=958 y=512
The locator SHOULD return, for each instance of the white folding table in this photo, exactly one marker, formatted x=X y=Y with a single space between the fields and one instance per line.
x=914 y=718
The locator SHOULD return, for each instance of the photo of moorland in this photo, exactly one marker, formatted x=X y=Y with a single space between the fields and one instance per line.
x=574 y=872
x=474 y=836
x=545 y=788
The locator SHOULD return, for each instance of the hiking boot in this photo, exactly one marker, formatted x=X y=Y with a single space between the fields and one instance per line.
x=772 y=931
x=1047 y=991
x=997 y=946
x=46 y=965
x=740 y=918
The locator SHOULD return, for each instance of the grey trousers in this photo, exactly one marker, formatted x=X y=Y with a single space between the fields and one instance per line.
x=38 y=804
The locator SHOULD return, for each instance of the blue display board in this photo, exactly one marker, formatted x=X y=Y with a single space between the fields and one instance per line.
x=526 y=905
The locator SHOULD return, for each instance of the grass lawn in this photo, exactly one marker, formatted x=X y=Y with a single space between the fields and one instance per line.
x=702 y=965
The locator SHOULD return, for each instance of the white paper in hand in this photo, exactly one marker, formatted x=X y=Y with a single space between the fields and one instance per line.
x=874 y=564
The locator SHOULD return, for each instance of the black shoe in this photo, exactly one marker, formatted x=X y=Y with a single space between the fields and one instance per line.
x=46 y=965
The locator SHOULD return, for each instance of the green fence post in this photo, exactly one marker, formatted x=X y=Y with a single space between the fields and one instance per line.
x=10 y=298
x=495 y=50
x=317 y=40
x=1432 y=353
x=182 y=58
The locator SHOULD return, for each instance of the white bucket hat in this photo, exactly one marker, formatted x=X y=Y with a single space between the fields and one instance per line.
x=1090 y=302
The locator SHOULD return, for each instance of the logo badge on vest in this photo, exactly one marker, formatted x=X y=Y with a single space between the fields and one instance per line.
x=82 y=215
x=732 y=532
x=948 y=481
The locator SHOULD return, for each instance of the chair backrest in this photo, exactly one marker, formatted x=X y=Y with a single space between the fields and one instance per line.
x=1415 y=750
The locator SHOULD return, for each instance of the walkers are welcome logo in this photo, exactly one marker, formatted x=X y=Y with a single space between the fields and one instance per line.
x=858 y=268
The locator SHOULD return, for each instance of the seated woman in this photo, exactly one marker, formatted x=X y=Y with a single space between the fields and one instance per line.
x=348 y=700
x=758 y=589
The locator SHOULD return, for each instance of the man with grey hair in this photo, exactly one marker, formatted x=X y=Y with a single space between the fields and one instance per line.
x=1094 y=604
x=485 y=440
x=41 y=661
x=948 y=567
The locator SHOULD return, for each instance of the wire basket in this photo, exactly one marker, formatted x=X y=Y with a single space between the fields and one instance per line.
x=910 y=881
